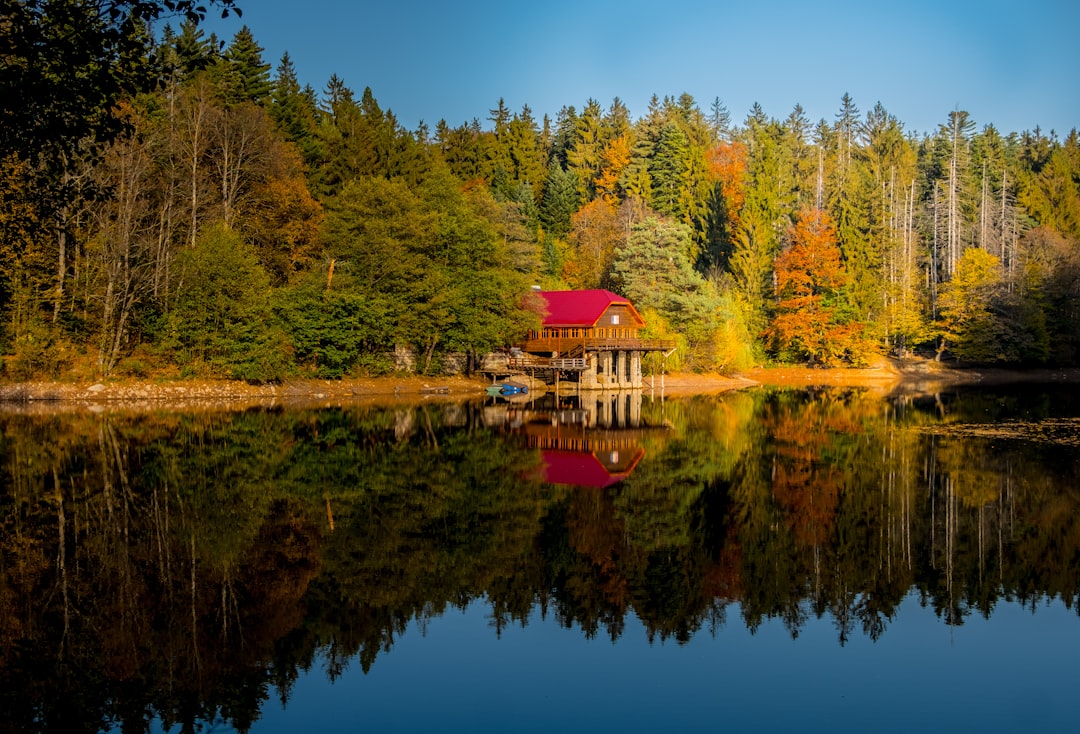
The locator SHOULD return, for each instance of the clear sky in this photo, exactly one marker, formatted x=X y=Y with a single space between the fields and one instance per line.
x=1015 y=65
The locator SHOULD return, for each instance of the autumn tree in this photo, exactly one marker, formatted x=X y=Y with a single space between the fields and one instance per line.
x=67 y=65
x=594 y=234
x=727 y=166
x=282 y=218
x=813 y=320
x=966 y=320
x=982 y=322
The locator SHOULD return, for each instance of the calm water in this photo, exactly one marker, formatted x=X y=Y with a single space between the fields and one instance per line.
x=759 y=561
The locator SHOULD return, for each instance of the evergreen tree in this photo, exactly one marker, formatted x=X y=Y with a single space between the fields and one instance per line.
x=188 y=53
x=720 y=122
x=562 y=140
x=583 y=157
x=526 y=155
x=560 y=200
x=669 y=172
x=653 y=271
x=764 y=217
x=635 y=179
x=461 y=149
x=245 y=78
x=295 y=110
x=887 y=285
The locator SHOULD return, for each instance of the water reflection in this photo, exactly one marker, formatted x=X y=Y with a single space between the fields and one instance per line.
x=589 y=440
x=185 y=565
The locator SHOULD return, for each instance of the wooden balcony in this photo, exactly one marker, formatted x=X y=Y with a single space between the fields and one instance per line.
x=579 y=346
x=527 y=361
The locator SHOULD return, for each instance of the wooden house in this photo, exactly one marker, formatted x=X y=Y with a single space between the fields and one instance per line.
x=591 y=336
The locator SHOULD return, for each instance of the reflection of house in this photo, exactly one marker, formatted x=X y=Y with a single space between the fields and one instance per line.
x=590 y=441
x=574 y=453
x=600 y=468
x=591 y=336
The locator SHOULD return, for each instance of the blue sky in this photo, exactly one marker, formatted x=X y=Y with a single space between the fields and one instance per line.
x=1015 y=65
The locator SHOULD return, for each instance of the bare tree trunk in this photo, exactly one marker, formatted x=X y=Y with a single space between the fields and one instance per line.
x=61 y=267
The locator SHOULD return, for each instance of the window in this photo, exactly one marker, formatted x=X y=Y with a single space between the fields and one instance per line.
x=614 y=319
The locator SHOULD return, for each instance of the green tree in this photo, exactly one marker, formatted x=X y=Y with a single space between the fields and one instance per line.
x=295 y=110
x=889 y=286
x=182 y=56
x=654 y=271
x=669 y=172
x=244 y=76
x=221 y=314
x=560 y=200
x=762 y=219
x=965 y=302
x=583 y=156
x=67 y=62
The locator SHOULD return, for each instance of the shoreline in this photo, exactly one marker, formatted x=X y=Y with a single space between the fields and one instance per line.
x=887 y=377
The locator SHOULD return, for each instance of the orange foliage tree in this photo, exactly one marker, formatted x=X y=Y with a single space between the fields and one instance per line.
x=615 y=158
x=594 y=232
x=813 y=320
x=727 y=166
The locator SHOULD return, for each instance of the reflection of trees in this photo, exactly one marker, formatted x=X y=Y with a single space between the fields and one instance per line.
x=138 y=596
x=181 y=565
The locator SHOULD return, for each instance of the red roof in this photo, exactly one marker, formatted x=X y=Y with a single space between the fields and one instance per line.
x=580 y=308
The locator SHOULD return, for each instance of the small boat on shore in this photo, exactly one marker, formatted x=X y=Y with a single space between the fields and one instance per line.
x=504 y=389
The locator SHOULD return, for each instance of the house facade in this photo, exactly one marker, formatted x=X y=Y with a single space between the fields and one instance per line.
x=590 y=337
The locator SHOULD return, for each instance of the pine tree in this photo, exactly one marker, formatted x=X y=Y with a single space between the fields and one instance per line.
x=764 y=217
x=560 y=200
x=295 y=110
x=193 y=51
x=635 y=180
x=669 y=172
x=245 y=77
x=583 y=157
x=720 y=122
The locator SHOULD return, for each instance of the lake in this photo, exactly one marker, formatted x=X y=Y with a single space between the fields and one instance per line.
x=768 y=559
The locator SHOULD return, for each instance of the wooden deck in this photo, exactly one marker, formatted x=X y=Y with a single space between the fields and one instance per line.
x=578 y=347
x=525 y=362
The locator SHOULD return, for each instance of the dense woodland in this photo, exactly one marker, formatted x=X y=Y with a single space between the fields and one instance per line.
x=175 y=204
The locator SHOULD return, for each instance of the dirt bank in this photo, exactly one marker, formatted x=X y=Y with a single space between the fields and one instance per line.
x=887 y=376
x=912 y=375
x=40 y=396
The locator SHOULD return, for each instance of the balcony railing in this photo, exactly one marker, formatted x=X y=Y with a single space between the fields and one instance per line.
x=531 y=361
x=572 y=346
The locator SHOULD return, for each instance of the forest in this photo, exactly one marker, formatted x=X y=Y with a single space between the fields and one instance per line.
x=176 y=205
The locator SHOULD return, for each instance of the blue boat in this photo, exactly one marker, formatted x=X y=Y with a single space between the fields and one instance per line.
x=503 y=389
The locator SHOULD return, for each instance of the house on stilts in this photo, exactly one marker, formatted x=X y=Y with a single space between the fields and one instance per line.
x=587 y=337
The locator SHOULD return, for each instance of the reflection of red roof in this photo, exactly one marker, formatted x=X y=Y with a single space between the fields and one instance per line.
x=580 y=308
x=582 y=469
